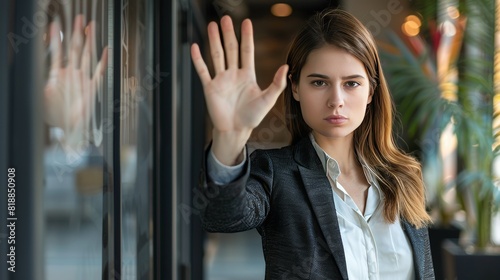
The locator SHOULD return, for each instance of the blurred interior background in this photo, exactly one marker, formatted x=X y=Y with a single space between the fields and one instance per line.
x=102 y=115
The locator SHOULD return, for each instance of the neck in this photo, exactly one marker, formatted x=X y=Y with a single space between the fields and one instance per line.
x=341 y=149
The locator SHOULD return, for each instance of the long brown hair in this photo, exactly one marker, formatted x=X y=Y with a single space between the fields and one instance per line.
x=399 y=175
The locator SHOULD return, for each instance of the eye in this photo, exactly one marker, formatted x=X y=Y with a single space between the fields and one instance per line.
x=318 y=83
x=352 y=84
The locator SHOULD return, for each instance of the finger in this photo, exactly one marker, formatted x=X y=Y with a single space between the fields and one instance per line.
x=230 y=42
x=247 y=45
x=88 y=91
x=216 y=48
x=199 y=65
x=278 y=85
x=96 y=83
x=55 y=46
x=87 y=50
x=101 y=65
x=76 y=44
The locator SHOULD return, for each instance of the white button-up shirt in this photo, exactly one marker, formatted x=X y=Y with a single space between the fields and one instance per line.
x=374 y=248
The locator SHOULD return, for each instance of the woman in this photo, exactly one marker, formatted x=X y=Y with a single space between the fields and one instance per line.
x=341 y=202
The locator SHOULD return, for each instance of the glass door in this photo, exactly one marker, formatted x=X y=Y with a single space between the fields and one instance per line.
x=139 y=76
x=79 y=139
x=104 y=126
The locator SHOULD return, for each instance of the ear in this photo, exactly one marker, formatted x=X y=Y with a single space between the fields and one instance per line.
x=370 y=97
x=294 y=89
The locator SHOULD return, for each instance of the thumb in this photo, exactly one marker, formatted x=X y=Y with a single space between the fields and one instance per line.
x=278 y=84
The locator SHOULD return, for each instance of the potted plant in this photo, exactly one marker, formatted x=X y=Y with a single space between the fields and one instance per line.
x=474 y=116
x=418 y=97
x=461 y=96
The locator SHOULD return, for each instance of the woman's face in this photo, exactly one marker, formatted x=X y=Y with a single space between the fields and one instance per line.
x=333 y=92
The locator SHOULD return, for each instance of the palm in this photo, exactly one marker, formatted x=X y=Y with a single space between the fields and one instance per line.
x=235 y=102
x=67 y=94
x=71 y=88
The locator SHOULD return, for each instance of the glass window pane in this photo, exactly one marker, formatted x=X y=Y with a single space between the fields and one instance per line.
x=136 y=128
x=76 y=44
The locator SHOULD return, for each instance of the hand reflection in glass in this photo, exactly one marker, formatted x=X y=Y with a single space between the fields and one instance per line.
x=71 y=86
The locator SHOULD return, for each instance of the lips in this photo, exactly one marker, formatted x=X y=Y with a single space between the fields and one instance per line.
x=336 y=119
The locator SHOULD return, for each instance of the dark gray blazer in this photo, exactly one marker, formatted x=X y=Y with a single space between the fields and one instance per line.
x=285 y=194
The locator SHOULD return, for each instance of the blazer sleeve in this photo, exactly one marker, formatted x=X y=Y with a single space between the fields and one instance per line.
x=240 y=205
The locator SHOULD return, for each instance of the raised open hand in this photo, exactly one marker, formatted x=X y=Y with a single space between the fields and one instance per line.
x=71 y=88
x=234 y=100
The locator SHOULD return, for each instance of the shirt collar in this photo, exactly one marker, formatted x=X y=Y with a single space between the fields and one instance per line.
x=330 y=165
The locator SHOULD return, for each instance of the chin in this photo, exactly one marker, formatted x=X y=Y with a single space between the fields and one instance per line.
x=335 y=134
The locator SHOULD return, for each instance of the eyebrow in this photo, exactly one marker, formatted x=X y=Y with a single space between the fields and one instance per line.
x=316 y=75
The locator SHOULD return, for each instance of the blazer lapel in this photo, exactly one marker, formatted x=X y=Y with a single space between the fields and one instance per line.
x=320 y=194
x=417 y=242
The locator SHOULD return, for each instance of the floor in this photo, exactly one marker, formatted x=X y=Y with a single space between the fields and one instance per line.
x=74 y=252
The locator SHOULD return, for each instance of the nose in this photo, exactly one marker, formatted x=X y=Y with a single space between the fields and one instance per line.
x=335 y=98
